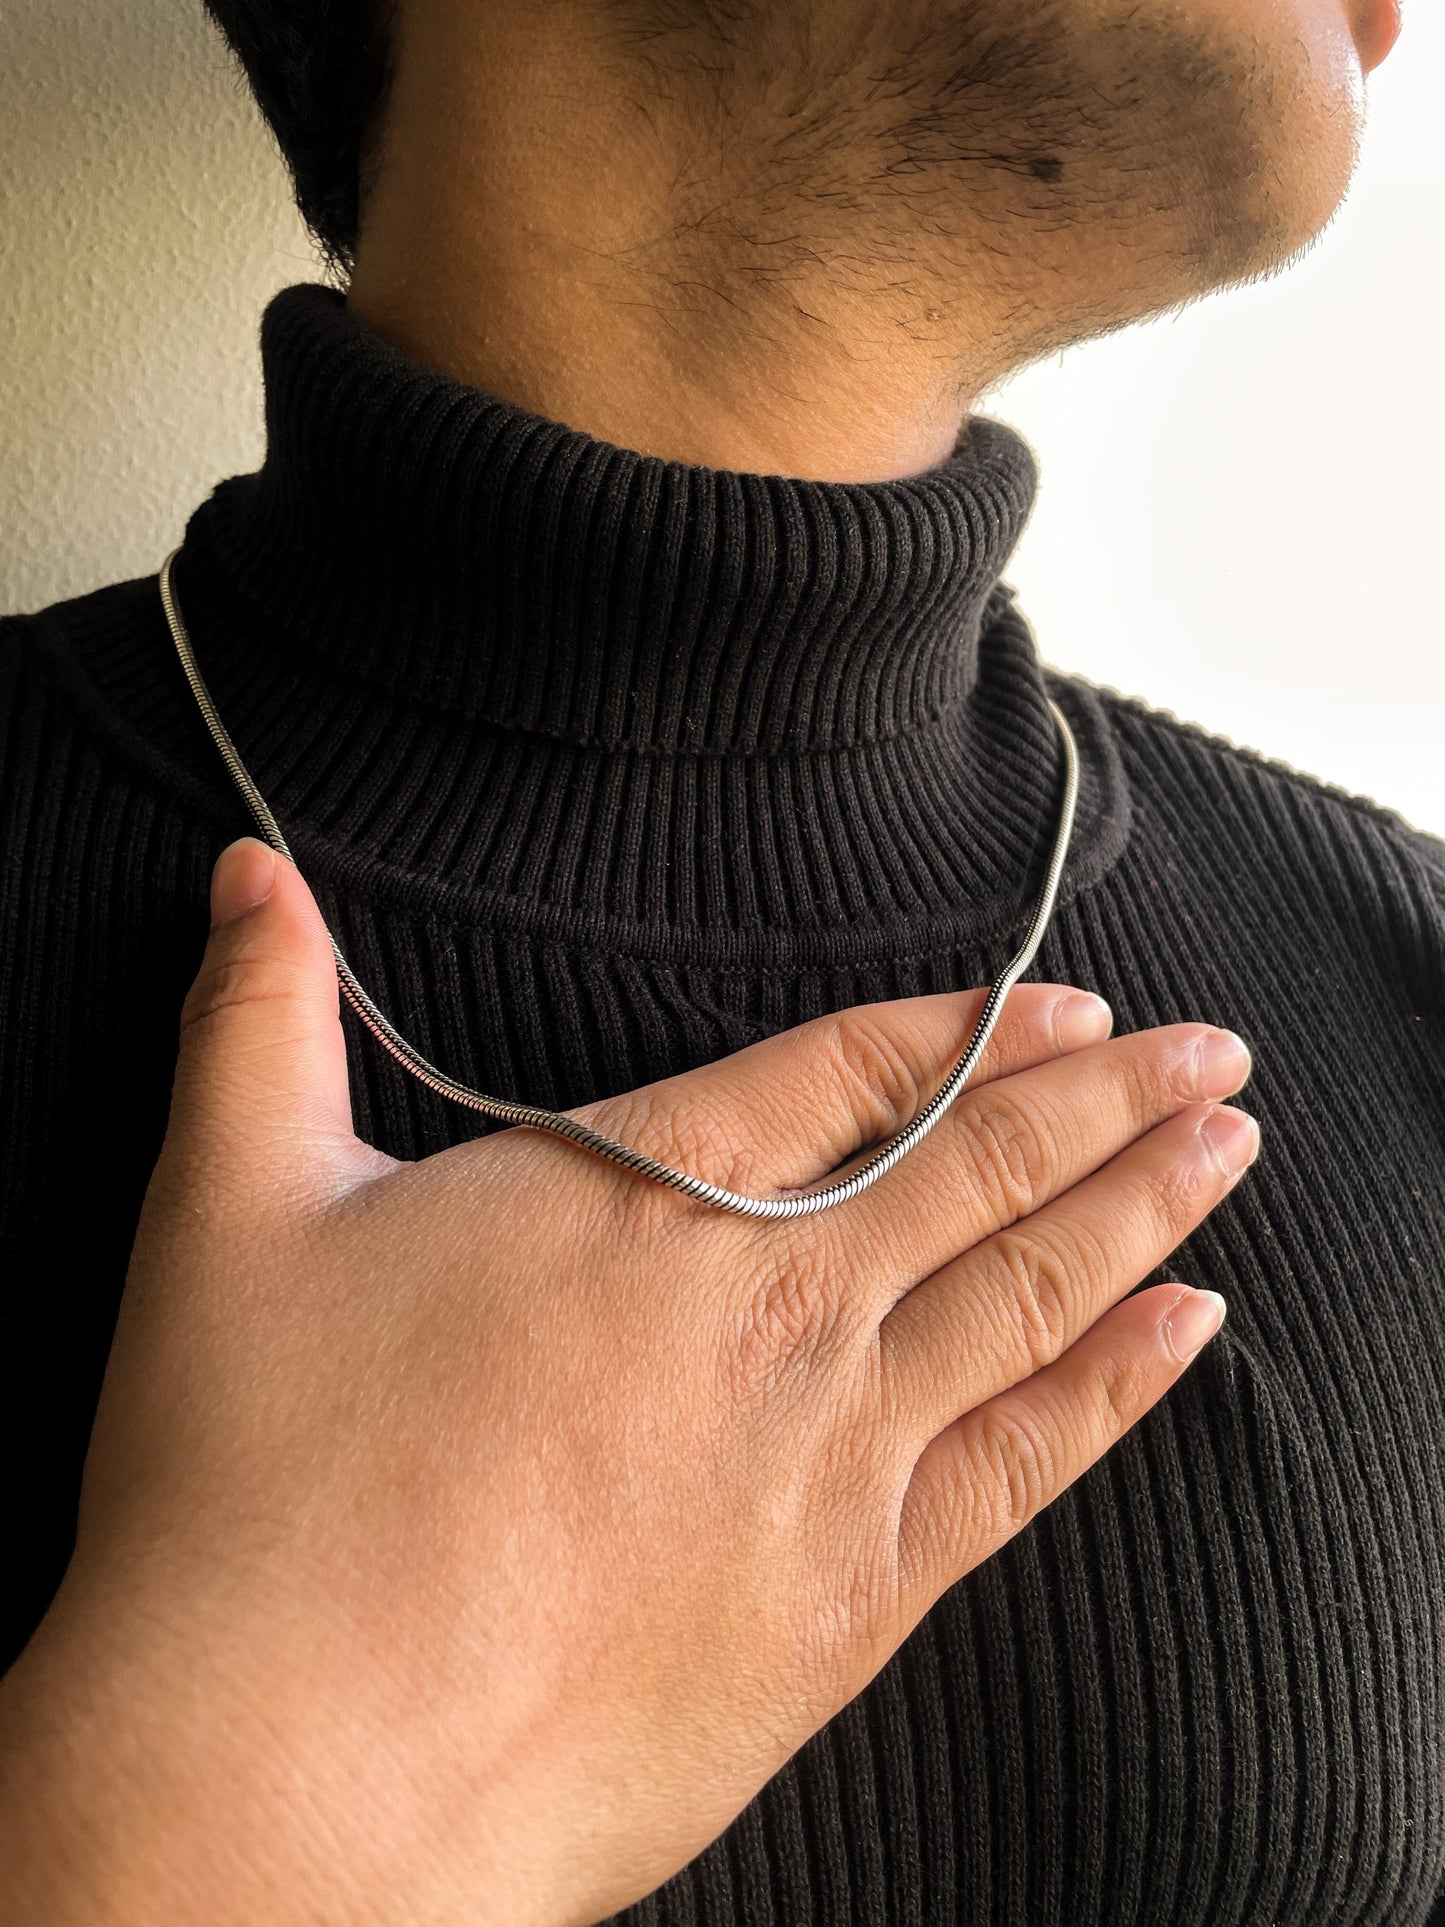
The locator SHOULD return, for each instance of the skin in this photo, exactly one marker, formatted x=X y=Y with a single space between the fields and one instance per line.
x=804 y=236
x=390 y=1602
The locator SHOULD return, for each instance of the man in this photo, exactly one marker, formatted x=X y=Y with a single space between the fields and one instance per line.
x=616 y=629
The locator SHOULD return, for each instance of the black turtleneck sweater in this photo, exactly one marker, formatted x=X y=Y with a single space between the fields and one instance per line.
x=604 y=766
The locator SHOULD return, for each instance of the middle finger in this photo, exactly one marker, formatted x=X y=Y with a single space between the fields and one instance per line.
x=1010 y=1145
x=1015 y=1303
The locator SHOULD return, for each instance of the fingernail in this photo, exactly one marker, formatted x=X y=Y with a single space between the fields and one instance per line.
x=1193 y=1322
x=1081 y=1020
x=1221 y=1064
x=1233 y=1139
x=244 y=876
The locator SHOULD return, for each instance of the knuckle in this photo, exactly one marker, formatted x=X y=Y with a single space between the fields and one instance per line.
x=872 y=1614
x=1174 y=1061
x=1034 y=1298
x=1011 y=1145
x=643 y=1120
x=651 y=1222
x=1115 y=1390
x=1176 y=1191
x=627 y=1211
x=872 y=1070
x=1148 y=1072
x=1023 y=1027
x=690 y=1138
x=234 y=983
x=1018 y=1465
x=1145 y=1068
x=846 y=1626
x=785 y=1325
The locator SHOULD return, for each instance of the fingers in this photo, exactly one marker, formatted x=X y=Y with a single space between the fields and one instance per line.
x=1013 y=1304
x=788 y=1110
x=1007 y=1147
x=262 y=1057
x=983 y=1478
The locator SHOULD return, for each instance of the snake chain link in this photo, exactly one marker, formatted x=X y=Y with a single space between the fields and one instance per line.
x=788 y=1205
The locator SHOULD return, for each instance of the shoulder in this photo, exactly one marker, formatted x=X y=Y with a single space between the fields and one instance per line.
x=96 y=672
x=76 y=627
x=51 y=647
x=1253 y=824
x=1266 y=790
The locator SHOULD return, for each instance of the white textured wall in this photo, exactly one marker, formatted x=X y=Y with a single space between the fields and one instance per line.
x=145 y=217
x=1242 y=508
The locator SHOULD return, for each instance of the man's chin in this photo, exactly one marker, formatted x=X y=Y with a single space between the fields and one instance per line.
x=1278 y=173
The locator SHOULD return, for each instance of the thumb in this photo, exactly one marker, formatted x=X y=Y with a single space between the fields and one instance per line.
x=262 y=1055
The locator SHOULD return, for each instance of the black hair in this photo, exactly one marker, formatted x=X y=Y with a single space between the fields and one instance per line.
x=318 y=70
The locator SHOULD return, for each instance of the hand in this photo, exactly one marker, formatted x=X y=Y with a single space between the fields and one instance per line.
x=469 y=1540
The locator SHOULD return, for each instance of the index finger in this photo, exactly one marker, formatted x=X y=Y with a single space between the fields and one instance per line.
x=788 y=1110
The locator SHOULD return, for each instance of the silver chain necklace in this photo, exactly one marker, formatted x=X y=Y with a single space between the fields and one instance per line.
x=797 y=1204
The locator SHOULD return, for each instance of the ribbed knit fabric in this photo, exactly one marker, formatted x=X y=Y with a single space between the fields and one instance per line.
x=603 y=767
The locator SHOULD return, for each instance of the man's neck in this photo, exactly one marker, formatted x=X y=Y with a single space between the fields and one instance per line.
x=539 y=251
x=555 y=344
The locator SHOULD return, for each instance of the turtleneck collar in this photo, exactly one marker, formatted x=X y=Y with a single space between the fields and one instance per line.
x=485 y=665
x=443 y=544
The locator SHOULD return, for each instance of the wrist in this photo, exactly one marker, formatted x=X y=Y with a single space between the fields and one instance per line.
x=154 y=1768
x=135 y=1785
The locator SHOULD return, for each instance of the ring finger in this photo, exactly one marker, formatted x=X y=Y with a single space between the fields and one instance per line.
x=1019 y=1299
